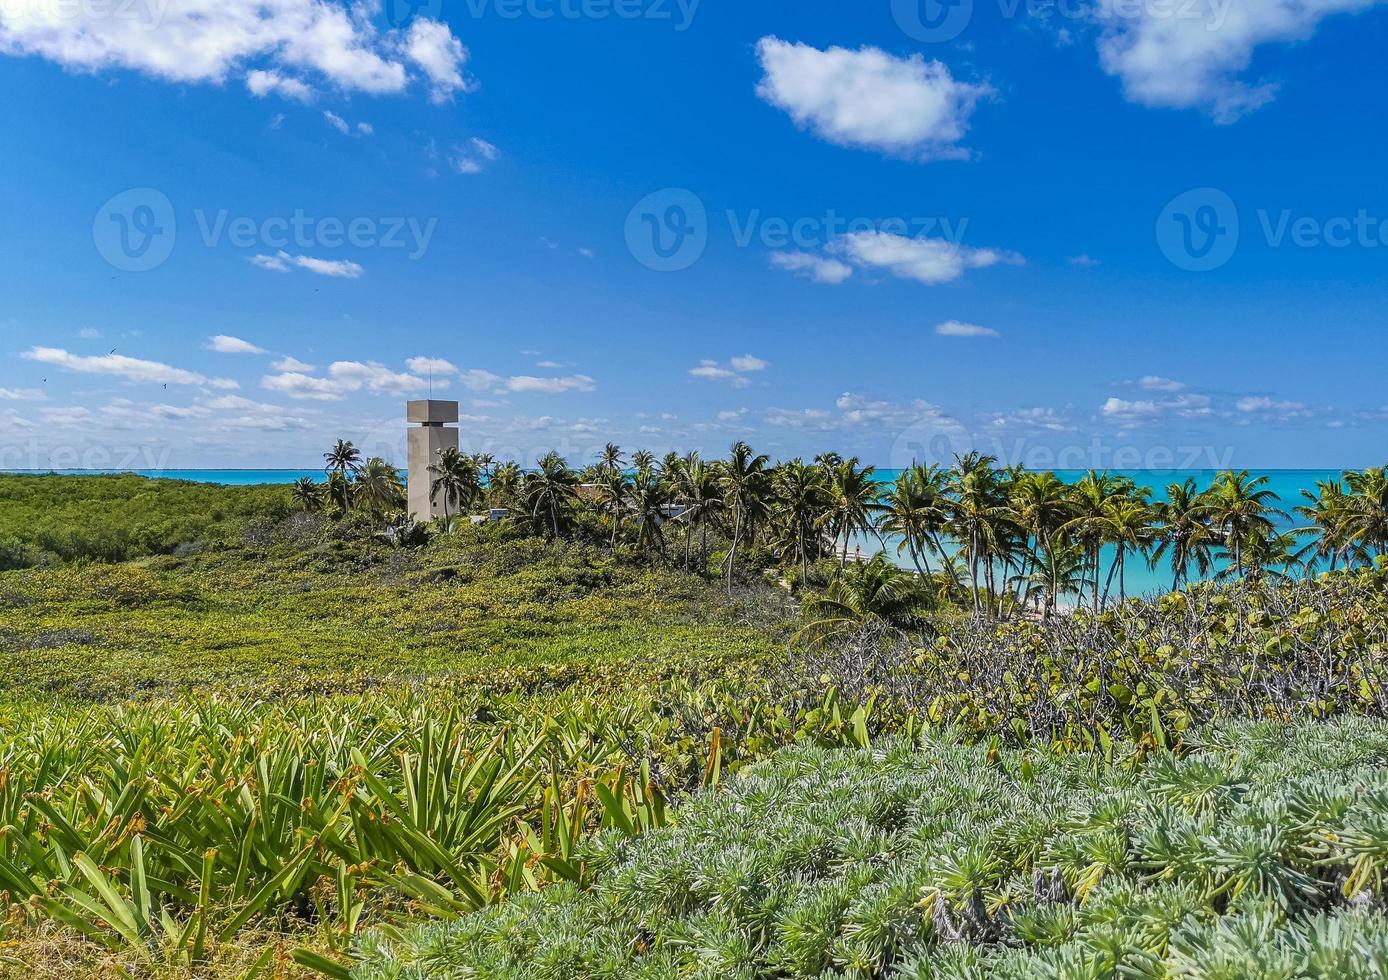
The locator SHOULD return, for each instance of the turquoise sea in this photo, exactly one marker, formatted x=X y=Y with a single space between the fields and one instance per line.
x=1287 y=484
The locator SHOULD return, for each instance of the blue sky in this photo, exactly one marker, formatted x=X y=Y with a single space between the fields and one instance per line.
x=1142 y=232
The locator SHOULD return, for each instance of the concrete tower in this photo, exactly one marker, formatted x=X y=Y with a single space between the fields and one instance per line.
x=430 y=433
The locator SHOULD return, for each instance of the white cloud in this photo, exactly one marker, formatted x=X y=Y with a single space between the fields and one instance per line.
x=867 y=98
x=207 y=41
x=473 y=157
x=1197 y=55
x=295 y=384
x=223 y=344
x=336 y=122
x=436 y=365
x=828 y=271
x=955 y=328
x=1272 y=408
x=292 y=364
x=440 y=55
x=336 y=268
x=262 y=83
x=551 y=386
x=89 y=333
x=1033 y=419
x=354 y=376
x=1147 y=410
x=813 y=419
x=271 y=263
x=927 y=260
x=283 y=261
x=479 y=380
x=21 y=394
x=1155 y=382
x=549 y=365
x=710 y=370
x=130 y=368
x=1084 y=261
x=365 y=128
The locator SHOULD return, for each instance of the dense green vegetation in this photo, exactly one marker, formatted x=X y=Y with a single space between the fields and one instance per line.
x=47 y=519
x=318 y=606
x=1257 y=854
x=293 y=717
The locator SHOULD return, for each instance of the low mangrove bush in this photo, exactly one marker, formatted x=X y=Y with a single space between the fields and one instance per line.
x=1155 y=669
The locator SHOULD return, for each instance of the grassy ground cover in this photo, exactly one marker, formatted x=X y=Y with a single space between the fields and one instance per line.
x=310 y=608
x=47 y=518
x=1257 y=854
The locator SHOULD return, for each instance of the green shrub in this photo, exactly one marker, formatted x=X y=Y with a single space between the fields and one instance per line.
x=1259 y=854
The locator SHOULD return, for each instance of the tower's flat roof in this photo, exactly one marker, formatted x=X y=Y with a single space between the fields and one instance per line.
x=430 y=411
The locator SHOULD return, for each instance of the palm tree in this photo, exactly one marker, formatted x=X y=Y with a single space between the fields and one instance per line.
x=456 y=477
x=378 y=486
x=643 y=459
x=615 y=489
x=1331 y=514
x=343 y=458
x=485 y=463
x=1368 y=520
x=1088 y=524
x=874 y=591
x=799 y=511
x=1270 y=555
x=307 y=495
x=610 y=459
x=504 y=487
x=703 y=496
x=916 y=510
x=1040 y=506
x=1241 y=509
x=974 y=514
x=649 y=497
x=549 y=492
x=1058 y=570
x=1127 y=524
x=339 y=490
x=1185 y=532
x=744 y=483
x=852 y=501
